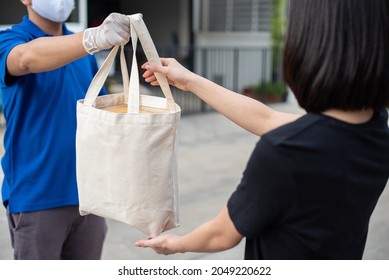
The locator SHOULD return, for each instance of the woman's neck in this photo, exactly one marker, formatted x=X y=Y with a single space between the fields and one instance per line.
x=353 y=117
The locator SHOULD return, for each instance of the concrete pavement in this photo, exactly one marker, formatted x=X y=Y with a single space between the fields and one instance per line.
x=213 y=153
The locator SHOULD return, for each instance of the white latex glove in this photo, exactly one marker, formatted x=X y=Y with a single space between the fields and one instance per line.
x=115 y=30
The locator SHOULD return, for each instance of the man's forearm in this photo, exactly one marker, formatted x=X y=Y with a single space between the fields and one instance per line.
x=45 y=54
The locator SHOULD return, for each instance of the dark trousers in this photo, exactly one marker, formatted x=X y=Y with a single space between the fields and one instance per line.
x=56 y=234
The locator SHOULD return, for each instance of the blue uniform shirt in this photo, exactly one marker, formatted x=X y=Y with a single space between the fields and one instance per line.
x=40 y=112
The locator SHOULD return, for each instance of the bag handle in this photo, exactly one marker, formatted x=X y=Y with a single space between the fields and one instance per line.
x=138 y=28
x=133 y=89
x=124 y=69
x=100 y=78
x=153 y=57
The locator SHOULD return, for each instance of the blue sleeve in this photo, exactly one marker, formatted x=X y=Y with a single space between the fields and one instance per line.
x=8 y=40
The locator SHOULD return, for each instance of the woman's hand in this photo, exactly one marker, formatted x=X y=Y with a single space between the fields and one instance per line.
x=163 y=244
x=216 y=235
x=176 y=74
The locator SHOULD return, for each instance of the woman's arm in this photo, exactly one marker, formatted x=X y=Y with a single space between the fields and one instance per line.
x=246 y=112
x=216 y=235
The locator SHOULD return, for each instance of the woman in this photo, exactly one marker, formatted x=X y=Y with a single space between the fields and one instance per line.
x=312 y=182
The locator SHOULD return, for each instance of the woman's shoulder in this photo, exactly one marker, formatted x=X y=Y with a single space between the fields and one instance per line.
x=302 y=125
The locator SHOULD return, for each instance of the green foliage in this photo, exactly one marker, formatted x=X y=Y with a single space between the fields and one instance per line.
x=278 y=31
x=269 y=88
x=278 y=22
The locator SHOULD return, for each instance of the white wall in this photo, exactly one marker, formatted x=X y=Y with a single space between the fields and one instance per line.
x=233 y=39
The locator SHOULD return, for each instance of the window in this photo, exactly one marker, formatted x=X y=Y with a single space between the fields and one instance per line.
x=77 y=20
x=235 y=15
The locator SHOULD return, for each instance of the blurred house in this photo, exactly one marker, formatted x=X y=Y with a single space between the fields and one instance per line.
x=227 y=41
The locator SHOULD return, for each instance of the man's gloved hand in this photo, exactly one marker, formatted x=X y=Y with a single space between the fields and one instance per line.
x=115 y=30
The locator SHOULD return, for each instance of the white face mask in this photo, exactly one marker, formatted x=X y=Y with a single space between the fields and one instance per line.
x=54 y=10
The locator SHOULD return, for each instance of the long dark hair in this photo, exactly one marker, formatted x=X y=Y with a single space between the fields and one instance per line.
x=337 y=54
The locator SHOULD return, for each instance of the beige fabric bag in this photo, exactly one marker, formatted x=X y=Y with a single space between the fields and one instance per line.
x=126 y=159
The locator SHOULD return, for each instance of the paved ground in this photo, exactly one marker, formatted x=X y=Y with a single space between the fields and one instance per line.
x=212 y=155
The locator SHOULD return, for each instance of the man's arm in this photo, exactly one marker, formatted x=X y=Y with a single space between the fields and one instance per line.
x=45 y=54
x=49 y=53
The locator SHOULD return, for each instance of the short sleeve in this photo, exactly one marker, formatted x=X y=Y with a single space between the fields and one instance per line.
x=8 y=40
x=265 y=195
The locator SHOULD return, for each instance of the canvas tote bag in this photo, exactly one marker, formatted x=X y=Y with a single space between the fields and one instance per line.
x=126 y=147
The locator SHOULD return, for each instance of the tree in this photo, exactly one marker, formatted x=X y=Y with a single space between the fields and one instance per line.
x=278 y=30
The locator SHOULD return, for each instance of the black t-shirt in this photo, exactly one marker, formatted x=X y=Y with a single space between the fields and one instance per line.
x=310 y=187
